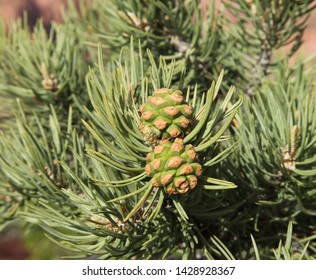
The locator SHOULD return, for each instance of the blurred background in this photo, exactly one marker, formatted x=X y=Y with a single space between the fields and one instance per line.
x=33 y=245
x=46 y=9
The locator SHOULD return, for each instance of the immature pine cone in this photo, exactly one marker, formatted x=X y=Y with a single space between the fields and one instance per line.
x=165 y=115
x=173 y=166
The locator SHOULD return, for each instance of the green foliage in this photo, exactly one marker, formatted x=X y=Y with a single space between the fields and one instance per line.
x=46 y=69
x=277 y=144
x=73 y=157
x=261 y=27
x=35 y=172
x=204 y=40
x=108 y=198
x=272 y=23
x=177 y=30
x=274 y=165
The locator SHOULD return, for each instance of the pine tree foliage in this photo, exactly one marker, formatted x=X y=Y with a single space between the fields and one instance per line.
x=241 y=38
x=177 y=30
x=118 y=196
x=274 y=165
x=47 y=69
x=29 y=160
x=263 y=27
x=74 y=157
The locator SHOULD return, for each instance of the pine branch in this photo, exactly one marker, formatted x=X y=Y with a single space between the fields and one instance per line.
x=275 y=163
x=261 y=28
x=40 y=68
x=177 y=30
x=130 y=159
x=106 y=196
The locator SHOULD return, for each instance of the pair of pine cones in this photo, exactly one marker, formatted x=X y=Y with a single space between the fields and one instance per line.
x=165 y=119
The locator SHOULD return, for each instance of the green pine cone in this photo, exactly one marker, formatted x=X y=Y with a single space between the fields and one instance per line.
x=165 y=115
x=173 y=166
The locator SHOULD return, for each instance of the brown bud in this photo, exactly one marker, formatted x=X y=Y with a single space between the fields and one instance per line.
x=147 y=169
x=191 y=154
x=193 y=181
x=141 y=108
x=156 y=100
x=186 y=169
x=174 y=162
x=154 y=182
x=171 y=190
x=177 y=98
x=188 y=109
x=198 y=170
x=166 y=179
x=156 y=163
x=171 y=111
x=147 y=115
x=160 y=124
x=161 y=90
x=176 y=146
x=148 y=156
x=175 y=132
x=158 y=149
x=184 y=122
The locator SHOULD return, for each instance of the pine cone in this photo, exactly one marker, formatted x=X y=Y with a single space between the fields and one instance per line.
x=166 y=115
x=173 y=166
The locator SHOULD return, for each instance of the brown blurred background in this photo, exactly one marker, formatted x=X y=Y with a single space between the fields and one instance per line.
x=10 y=244
x=47 y=9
